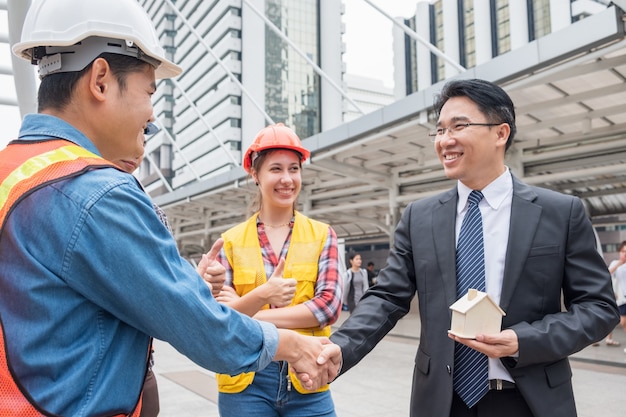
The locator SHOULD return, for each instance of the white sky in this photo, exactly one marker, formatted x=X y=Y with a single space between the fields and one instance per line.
x=367 y=38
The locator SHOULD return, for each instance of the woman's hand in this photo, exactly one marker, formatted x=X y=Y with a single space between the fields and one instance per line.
x=227 y=295
x=279 y=291
x=211 y=271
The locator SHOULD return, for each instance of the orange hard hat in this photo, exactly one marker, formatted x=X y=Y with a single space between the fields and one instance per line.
x=276 y=136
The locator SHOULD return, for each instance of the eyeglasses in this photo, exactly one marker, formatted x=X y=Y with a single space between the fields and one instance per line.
x=151 y=129
x=437 y=134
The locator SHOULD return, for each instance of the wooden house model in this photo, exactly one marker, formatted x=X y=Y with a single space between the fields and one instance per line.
x=475 y=313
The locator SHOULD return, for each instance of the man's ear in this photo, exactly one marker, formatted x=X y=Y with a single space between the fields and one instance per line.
x=503 y=131
x=100 y=78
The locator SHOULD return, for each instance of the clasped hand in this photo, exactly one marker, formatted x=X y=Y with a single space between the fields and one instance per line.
x=318 y=364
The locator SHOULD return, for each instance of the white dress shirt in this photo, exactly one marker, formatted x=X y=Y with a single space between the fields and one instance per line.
x=495 y=208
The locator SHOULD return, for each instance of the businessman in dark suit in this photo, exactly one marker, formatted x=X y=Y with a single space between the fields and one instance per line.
x=539 y=254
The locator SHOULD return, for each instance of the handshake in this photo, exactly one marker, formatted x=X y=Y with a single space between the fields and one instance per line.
x=315 y=360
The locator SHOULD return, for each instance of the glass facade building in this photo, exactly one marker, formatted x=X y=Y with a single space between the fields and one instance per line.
x=471 y=32
x=240 y=74
x=291 y=84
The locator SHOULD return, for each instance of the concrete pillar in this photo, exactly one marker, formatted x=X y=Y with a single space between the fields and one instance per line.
x=23 y=72
x=482 y=32
x=253 y=66
x=518 y=21
x=424 y=57
x=331 y=63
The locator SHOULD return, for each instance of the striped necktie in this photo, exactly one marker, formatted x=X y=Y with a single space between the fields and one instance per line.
x=471 y=368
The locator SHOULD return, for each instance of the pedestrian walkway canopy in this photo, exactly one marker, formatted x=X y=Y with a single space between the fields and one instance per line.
x=569 y=88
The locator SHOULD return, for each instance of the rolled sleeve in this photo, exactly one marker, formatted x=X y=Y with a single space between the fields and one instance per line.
x=268 y=351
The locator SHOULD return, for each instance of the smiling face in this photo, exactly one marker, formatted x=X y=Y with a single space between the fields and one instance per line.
x=474 y=155
x=279 y=177
x=124 y=113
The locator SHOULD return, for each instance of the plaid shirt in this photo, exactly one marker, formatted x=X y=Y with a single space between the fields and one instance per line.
x=326 y=303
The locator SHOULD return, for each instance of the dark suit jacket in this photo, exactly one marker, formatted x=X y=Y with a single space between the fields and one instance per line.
x=551 y=251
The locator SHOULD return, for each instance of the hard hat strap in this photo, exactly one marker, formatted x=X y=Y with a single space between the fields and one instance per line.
x=54 y=59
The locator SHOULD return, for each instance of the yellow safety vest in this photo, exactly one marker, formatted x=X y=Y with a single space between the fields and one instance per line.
x=243 y=251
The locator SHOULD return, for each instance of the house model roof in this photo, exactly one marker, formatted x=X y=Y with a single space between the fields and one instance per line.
x=475 y=313
x=471 y=299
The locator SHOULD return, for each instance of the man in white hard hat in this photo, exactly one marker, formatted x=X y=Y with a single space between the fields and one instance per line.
x=88 y=273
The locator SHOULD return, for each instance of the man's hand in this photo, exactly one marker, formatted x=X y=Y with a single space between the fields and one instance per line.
x=332 y=357
x=213 y=272
x=495 y=346
x=303 y=352
x=279 y=291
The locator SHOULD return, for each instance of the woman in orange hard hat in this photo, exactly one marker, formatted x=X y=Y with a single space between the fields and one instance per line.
x=281 y=267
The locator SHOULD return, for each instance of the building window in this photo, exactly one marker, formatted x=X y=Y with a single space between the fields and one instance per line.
x=468 y=37
x=502 y=24
x=410 y=58
x=292 y=88
x=439 y=65
x=540 y=18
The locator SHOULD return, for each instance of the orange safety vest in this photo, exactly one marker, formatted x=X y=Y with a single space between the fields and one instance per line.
x=25 y=168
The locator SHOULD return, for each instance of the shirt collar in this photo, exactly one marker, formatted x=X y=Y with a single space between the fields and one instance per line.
x=494 y=193
x=44 y=126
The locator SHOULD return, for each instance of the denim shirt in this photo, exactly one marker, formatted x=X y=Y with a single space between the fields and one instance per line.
x=87 y=274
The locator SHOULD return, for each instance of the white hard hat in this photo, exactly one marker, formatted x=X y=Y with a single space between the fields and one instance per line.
x=74 y=32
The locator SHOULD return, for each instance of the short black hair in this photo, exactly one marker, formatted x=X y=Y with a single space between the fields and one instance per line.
x=491 y=100
x=55 y=90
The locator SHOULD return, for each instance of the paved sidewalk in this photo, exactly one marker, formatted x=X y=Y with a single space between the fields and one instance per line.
x=381 y=384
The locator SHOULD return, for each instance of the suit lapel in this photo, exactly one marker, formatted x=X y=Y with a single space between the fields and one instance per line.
x=525 y=216
x=444 y=217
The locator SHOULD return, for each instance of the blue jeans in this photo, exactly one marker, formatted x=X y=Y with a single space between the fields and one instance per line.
x=271 y=395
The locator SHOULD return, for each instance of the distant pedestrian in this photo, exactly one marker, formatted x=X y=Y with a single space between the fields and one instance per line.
x=355 y=282
x=371 y=274
x=617 y=268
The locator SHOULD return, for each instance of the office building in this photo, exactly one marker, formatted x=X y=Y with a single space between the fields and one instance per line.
x=241 y=73
x=472 y=32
